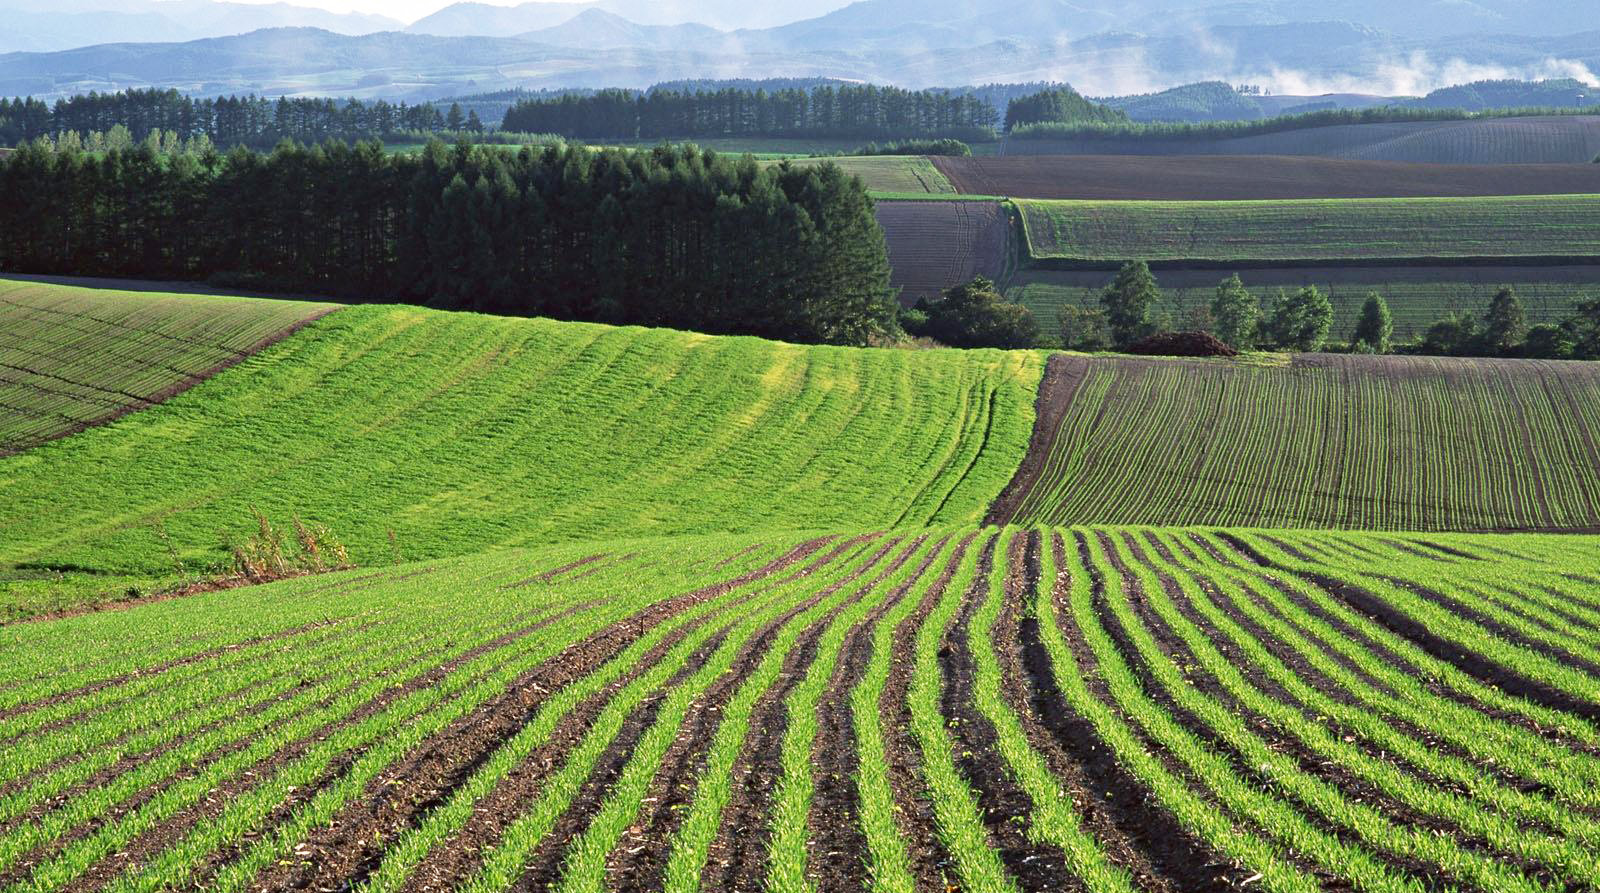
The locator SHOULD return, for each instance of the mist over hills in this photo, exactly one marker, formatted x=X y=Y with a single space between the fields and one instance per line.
x=1106 y=48
x=51 y=25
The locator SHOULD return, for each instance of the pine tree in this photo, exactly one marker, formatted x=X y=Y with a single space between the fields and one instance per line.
x=1376 y=327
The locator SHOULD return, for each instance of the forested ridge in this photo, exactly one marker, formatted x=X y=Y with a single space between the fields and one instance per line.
x=673 y=236
x=866 y=111
x=226 y=121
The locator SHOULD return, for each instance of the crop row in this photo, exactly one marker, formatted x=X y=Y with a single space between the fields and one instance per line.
x=1107 y=708
x=1358 y=443
x=1311 y=230
x=71 y=357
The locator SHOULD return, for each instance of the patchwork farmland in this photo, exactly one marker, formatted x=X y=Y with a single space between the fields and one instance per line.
x=1534 y=140
x=935 y=245
x=1098 y=708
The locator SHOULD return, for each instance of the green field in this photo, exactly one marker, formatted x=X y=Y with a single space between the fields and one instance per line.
x=1224 y=709
x=1376 y=443
x=72 y=357
x=1422 y=298
x=1321 y=231
x=461 y=432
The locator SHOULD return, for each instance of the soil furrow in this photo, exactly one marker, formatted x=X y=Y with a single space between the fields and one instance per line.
x=929 y=859
x=1062 y=377
x=1133 y=835
x=736 y=859
x=838 y=860
x=1006 y=808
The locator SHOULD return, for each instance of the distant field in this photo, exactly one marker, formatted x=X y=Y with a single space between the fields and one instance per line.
x=1094 y=709
x=1163 y=178
x=936 y=245
x=783 y=148
x=1343 y=231
x=1417 y=296
x=462 y=432
x=1378 y=443
x=1551 y=140
x=904 y=174
x=74 y=357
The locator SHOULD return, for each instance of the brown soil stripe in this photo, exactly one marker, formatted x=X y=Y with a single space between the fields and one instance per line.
x=929 y=859
x=157 y=669
x=549 y=575
x=1443 y=649
x=1469 y=611
x=351 y=845
x=1188 y=861
x=173 y=829
x=1063 y=375
x=1108 y=800
x=1005 y=806
x=737 y=857
x=839 y=857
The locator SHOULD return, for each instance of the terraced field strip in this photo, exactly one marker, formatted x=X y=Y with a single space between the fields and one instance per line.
x=1099 y=709
x=1241 y=177
x=461 y=432
x=1345 y=442
x=888 y=174
x=1417 y=296
x=1549 y=229
x=74 y=357
x=934 y=246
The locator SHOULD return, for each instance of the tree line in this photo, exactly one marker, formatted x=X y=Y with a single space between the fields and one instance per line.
x=669 y=237
x=227 y=121
x=1059 y=105
x=1221 y=130
x=848 y=111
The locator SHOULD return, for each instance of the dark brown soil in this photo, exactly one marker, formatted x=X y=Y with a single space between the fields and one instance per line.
x=936 y=245
x=1006 y=808
x=929 y=860
x=737 y=857
x=1133 y=827
x=1062 y=377
x=1182 y=344
x=1218 y=177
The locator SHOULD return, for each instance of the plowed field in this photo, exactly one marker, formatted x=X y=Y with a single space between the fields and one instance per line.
x=1092 y=709
x=936 y=245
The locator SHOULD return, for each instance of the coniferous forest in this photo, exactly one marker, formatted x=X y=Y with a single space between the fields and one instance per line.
x=668 y=237
x=867 y=111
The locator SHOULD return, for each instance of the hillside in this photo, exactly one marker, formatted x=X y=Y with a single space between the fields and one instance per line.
x=1051 y=708
x=71 y=358
x=1556 y=140
x=459 y=433
x=1376 y=443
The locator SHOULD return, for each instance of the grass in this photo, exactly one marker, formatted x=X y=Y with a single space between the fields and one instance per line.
x=1344 y=231
x=72 y=357
x=1216 y=667
x=1395 y=443
x=460 y=433
x=1416 y=302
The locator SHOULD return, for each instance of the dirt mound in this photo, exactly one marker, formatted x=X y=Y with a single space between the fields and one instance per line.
x=1182 y=344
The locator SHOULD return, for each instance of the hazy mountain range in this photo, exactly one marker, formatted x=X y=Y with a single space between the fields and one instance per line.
x=1103 y=46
